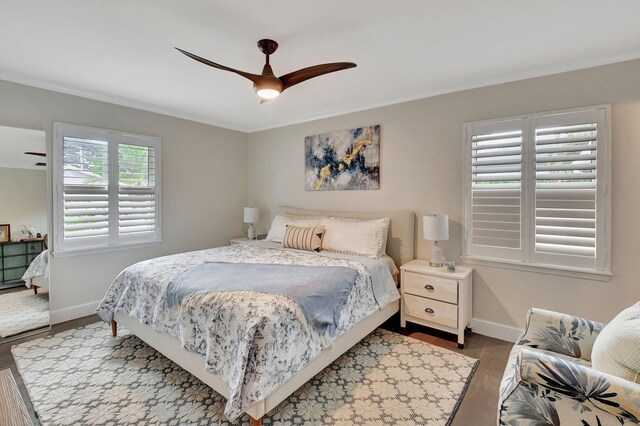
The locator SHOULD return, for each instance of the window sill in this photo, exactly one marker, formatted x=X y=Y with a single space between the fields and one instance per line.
x=104 y=249
x=540 y=269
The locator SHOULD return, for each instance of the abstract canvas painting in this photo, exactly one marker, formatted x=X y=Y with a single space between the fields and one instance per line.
x=343 y=160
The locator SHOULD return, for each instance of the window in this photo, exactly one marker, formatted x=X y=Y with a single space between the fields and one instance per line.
x=107 y=188
x=537 y=190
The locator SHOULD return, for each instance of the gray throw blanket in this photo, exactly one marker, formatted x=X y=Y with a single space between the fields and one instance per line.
x=320 y=291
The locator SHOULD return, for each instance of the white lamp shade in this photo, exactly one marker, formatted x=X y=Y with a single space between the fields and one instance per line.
x=251 y=214
x=435 y=227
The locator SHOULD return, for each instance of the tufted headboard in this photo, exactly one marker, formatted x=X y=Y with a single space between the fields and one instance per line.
x=400 y=240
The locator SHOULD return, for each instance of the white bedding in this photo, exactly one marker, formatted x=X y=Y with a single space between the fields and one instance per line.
x=253 y=341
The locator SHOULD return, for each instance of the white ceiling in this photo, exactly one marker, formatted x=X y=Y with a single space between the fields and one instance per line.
x=15 y=142
x=121 y=51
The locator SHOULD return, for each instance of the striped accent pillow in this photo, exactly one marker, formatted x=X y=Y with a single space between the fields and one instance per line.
x=301 y=238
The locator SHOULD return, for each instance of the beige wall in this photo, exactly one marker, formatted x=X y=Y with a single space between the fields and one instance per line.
x=206 y=181
x=23 y=199
x=421 y=153
x=204 y=185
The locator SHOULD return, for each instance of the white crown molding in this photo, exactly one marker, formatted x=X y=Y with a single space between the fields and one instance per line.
x=499 y=79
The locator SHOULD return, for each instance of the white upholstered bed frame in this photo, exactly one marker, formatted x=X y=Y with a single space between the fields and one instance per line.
x=39 y=282
x=399 y=246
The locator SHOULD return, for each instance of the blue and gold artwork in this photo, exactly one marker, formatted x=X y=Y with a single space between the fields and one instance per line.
x=346 y=159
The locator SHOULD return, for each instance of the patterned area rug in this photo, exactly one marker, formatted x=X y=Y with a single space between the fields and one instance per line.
x=23 y=311
x=84 y=376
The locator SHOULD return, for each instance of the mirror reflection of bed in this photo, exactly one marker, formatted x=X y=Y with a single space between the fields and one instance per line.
x=24 y=266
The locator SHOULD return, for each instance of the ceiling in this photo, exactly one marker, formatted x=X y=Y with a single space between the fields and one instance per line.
x=121 y=51
x=13 y=144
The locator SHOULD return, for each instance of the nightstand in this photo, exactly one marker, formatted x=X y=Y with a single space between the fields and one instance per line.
x=241 y=240
x=435 y=297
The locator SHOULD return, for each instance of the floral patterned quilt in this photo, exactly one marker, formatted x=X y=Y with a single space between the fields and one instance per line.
x=39 y=267
x=253 y=341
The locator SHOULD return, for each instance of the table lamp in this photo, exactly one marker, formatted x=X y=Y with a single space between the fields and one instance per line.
x=436 y=228
x=251 y=215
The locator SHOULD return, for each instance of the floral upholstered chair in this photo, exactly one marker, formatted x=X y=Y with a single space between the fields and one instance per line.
x=550 y=379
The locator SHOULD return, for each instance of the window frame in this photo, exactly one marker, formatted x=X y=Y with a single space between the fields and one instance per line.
x=114 y=241
x=602 y=259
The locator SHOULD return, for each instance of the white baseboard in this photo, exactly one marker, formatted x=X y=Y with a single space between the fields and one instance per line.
x=73 y=312
x=496 y=330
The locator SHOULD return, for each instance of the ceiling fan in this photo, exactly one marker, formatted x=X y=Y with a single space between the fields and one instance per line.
x=39 y=154
x=267 y=85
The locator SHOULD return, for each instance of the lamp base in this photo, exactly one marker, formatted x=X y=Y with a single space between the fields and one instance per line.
x=251 y=232
x=437 y=257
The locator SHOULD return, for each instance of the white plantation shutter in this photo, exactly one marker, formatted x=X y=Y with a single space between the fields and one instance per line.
x=496 y=180
x=85 y=195
x=137 y=190
x=537 y=189
x=566 y=188
x=107 y=188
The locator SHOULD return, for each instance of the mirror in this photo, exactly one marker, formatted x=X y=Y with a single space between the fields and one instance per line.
x=24 y=258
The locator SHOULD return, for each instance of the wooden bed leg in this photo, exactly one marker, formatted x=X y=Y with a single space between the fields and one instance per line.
x=114 y=328
x=35 y=289
x=255 y=422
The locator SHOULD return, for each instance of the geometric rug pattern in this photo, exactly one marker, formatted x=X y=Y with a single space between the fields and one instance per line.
x=85 y=376
x=23 y=311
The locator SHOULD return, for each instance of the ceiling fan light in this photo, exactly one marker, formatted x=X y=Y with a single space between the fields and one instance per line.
x=268 y=93
x=266 y=85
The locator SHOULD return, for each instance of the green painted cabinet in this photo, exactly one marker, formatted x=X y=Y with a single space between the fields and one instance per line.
x=15 y=258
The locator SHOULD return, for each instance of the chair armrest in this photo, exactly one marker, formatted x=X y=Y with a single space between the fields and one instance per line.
x=560 y=333
x=580 y=383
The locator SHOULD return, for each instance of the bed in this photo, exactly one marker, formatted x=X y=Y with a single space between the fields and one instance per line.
x=255 y=349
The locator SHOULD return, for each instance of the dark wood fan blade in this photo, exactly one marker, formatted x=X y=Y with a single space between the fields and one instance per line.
x=253 y=77
x=39 y=154
x=304 y=74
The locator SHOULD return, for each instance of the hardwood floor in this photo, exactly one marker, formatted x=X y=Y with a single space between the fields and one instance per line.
x=12 y=408
x=13 y=289
x=478 y=407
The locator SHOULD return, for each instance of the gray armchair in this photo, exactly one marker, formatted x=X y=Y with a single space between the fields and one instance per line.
x=549 y=380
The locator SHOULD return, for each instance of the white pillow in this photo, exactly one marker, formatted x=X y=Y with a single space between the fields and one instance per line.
x=356 y=236
x=616 y=350
x=280 y=222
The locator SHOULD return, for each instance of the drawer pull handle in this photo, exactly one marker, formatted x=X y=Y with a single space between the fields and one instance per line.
x=429 y=310
x=429 y=287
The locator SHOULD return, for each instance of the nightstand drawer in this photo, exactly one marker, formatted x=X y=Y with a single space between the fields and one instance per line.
x=431 y=310
x=432 y=287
